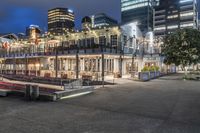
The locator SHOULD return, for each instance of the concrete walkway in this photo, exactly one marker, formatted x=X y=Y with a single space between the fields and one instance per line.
x=165 y=105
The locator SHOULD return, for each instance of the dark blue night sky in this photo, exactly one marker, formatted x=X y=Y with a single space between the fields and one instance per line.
x=15 y=15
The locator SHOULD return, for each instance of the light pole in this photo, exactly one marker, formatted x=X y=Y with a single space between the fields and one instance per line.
x=56 y=59
x=77 y=62
x=102 y=57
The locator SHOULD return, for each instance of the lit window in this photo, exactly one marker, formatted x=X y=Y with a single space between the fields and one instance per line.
x=187 y=25
x=184 y=1
x=160 y=28
x=172 y=27
x=172 y=16
x=187 y=14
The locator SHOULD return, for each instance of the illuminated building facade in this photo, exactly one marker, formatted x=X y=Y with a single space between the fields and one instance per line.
x=86 y=23
x=33 y=32
x=90 y=52
x=175 y=14
x=60 y=20
x=140 y=11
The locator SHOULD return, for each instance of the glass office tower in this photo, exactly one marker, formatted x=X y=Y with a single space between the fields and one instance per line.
x=60 y=20
x=140 y=11
x=175 y=14
x=102 y=19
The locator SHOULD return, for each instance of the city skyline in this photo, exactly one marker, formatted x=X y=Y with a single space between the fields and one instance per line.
x=15 y=16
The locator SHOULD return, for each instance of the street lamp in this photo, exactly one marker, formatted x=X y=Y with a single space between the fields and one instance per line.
x=77 y=62
x=102 y=56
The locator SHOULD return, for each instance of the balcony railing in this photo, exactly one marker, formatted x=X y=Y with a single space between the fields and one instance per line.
x=61 y=50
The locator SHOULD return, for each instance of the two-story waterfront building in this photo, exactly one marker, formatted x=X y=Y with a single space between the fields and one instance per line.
x=91 y=51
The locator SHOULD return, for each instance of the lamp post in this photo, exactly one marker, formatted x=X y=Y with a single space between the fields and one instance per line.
x=77 y=62
x=102 y=57
x=121 y=60
x=56 y=60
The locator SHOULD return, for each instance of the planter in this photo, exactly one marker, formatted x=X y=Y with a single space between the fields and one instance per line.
x=144 y=76
x=158 y=74
x=152 y=75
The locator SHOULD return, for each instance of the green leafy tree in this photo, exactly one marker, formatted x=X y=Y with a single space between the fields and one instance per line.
x=182 y=48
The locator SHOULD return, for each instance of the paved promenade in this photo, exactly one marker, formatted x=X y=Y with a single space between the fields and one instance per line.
x=165 y=105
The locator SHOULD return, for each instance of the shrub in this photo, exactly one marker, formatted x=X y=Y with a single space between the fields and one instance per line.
x=150 y=68
x=145 y=69
x=157 y=68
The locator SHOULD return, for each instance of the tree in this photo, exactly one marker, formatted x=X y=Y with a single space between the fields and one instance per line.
x=182 y=48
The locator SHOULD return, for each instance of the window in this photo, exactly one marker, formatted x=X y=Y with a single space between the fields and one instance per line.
x=172 y=27
x=113 y=40
x=102 y=40
x=172 y=16
x=185 y=14
x=125 y=40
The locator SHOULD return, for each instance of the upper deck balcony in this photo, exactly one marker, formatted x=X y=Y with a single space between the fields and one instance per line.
x=37 y=51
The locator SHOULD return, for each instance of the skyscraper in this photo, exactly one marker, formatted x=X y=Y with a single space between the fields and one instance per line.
x=140 y=11
x=102 y=19
x=175 y=14
x=60 y=20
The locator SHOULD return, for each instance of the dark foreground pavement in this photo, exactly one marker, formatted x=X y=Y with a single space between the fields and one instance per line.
x=165 y=105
